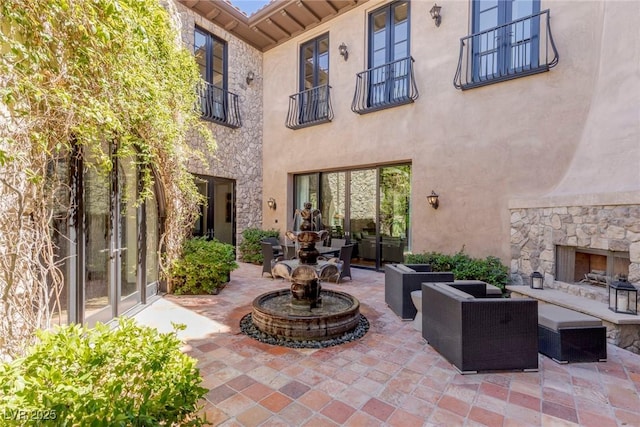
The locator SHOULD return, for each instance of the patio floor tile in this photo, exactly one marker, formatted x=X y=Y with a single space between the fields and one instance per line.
x=389 y=377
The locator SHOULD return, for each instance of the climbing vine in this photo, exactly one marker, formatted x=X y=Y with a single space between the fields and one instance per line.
x=90 y=78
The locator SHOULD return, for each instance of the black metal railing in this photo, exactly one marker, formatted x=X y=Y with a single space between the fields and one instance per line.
x=310 y=107
x=516 y=49
x=219 y=105
x=385 y=86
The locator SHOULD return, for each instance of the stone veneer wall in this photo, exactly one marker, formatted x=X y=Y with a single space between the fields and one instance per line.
x=239 y=152
x=535 y=232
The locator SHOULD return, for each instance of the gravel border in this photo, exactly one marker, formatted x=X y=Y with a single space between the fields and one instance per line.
x=248 y=328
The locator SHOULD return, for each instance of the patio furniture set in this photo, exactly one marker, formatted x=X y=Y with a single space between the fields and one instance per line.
x=476 y=329
x=280 y=260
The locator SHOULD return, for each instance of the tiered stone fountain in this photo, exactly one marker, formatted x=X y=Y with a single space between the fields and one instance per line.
x=305 y=311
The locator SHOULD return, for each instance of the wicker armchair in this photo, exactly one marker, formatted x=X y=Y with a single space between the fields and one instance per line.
x=480 y=334
x=401 y=279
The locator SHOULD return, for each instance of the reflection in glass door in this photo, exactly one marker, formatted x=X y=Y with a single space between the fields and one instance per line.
x=111 y=284
x=97 y=291
x=363 y=217
x=334 y=202
x=126 y=249
x=370 y=208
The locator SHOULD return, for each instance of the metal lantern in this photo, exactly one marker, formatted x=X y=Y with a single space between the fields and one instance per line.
x=537 y=280
x=623 y=297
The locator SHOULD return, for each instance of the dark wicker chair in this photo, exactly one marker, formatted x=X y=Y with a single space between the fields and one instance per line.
x=269 y=258
x=400 y=280
x=276 y=247
x=480 y=334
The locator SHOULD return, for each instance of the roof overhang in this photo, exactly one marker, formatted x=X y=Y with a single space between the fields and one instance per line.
x=275 y=23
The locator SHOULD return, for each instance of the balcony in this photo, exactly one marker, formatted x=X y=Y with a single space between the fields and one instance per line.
x=310 y=107
x=219 y=105
x=385 y=86
x=519 y=48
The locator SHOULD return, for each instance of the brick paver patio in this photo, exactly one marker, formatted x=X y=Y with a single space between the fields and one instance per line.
x=390 y=377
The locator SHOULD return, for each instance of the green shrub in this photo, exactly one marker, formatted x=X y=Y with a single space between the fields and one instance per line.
x=204 y=267
x=463 y=267
x=79 y=376
x=250 y=249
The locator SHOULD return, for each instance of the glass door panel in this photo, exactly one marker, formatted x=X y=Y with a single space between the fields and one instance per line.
x=97 y=223
x=126 y=252
x=333 y=203
x=223 y=210
x=363 y=217
x=395 y=190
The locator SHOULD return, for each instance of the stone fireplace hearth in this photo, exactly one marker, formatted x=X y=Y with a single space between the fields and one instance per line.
x=567 y=242
x=570 y=244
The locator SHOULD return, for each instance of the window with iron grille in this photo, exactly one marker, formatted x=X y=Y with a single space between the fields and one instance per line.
x=508 y=40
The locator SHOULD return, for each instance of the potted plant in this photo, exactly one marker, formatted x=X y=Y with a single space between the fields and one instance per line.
x=204 y=268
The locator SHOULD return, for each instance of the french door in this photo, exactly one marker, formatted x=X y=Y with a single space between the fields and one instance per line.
x=314 y=79
x=507 y=38
x=112 y=279
x=388 y=47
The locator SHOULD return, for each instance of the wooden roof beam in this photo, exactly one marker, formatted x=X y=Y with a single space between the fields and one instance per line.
x=292 y=19
x=309 y=11
x=335 y=9
x=282 y=30
x=231 y=25
x=265 y=35
x=211 y=15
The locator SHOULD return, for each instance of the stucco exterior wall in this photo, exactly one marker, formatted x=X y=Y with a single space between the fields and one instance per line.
x=479 y=149
x=239 y=151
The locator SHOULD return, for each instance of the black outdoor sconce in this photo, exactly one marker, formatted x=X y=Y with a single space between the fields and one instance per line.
x=537 y=280
x=433 y=200
x=342 y=49
x=271 y=203
x=623 y=297
x=250 y=77
x=435 y=14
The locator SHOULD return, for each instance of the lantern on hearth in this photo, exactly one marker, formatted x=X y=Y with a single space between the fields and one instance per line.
x=623 y=297
x=537 y=280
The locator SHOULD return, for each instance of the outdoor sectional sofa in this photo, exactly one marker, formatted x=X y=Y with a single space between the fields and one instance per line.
x=401 y=279
x=480 y=334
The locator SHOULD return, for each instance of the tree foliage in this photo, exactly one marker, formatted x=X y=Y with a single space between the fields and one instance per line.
x=97 y=78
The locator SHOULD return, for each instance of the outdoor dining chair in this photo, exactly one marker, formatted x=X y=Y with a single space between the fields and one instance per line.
x=269 y=259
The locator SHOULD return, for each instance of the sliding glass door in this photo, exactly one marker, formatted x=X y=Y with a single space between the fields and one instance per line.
x=368 y=207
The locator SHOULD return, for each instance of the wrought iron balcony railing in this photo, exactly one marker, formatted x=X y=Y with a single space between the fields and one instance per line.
x=219 y=105
x=310 y=107
x=385 y=86
x=519 y=48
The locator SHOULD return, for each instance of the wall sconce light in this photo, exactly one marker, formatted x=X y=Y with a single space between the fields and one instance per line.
x=433 y=200
x=435 y=14
x=343 y=51
x=250 y=77
x=271 y=203
x=537 y=280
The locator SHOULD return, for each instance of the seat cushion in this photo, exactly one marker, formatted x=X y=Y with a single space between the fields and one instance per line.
x=555 y=318
x=453 y=291
x=404 y=268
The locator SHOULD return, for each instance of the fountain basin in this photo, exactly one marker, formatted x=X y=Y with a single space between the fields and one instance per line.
x=273 y=314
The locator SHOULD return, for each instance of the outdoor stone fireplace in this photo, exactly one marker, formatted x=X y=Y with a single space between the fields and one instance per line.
x=566 y=242
x=579 y=250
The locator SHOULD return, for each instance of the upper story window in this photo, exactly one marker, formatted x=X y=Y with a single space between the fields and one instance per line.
x=217 y=103
x=511 y=38
x=312 y=105
x=211 y=56
x=389 y=79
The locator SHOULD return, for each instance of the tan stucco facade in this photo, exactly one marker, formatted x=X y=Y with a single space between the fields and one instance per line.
x=572 y=132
